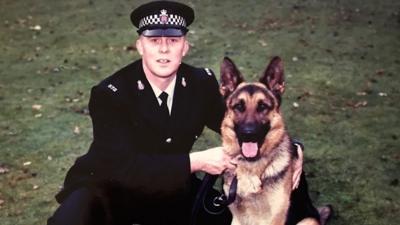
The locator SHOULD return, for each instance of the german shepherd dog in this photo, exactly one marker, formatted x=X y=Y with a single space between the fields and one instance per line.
x=253 y=130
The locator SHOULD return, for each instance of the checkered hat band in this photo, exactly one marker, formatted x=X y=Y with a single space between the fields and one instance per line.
x=156 y=20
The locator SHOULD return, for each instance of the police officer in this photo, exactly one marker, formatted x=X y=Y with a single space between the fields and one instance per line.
x=146 y=117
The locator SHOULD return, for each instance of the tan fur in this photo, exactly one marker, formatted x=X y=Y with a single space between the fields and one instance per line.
x=260 y=201
x=308 y=221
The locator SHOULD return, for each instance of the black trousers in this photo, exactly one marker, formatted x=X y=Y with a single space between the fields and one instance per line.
x=85 y=206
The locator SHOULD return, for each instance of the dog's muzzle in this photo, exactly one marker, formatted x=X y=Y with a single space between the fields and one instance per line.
x=251 y=136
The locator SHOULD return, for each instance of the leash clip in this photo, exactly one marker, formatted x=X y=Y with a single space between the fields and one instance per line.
x=219 y=200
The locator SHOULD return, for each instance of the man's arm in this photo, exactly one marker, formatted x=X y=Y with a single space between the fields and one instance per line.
x=216 y=103
x=298 y=167
x=213 y=161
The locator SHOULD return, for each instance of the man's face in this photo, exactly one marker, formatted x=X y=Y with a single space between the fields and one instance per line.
x=162 y=55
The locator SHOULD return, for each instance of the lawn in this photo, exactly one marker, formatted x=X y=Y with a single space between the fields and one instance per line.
x=342 y=64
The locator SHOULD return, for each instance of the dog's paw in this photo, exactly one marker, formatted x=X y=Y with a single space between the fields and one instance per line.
x=249 y=185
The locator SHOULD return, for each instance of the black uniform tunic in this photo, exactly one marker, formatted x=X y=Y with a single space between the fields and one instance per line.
x=137 y=162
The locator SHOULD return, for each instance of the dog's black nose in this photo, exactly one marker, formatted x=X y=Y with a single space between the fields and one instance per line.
x=248 y=133
x=253 y=132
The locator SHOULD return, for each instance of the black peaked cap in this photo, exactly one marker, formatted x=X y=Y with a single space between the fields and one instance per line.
x=155 y=7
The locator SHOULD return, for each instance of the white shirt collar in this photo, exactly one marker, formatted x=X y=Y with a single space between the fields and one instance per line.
x=169 y=90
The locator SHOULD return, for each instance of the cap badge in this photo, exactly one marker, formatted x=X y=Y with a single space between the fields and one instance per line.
x=163 y=16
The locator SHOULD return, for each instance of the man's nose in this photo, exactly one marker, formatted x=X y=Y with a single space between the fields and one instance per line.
x=164 y=45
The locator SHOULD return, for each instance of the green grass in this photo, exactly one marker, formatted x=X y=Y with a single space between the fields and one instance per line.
x=342 y=63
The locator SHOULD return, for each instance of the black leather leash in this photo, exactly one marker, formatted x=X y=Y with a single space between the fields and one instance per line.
x=218 y=203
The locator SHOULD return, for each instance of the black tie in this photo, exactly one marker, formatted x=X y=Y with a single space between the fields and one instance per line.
x=164 y=108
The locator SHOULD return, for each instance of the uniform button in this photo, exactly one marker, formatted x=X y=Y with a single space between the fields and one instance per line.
x=195 y=137
x=168 y=140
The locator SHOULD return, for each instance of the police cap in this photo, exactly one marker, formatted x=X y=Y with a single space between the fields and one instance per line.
x=162 y=18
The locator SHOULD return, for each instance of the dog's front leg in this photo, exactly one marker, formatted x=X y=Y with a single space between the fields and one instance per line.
x=248 y=184
x=279 y=218
x=235 y=221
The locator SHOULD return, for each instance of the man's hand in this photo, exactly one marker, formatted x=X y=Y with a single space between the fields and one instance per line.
x=213 y=161
x=298 y=168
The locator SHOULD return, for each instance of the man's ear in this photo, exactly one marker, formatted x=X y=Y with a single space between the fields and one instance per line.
x=230 y=77
x=186 y=48
x=139 y=46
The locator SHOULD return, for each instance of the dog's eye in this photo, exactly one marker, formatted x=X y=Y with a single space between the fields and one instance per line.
x=261 y=107
x=239 y=106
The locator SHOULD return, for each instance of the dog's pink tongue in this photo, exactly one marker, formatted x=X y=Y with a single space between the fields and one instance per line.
x=249 y=149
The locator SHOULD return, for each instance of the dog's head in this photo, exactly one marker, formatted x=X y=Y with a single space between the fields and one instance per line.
x=253 y=124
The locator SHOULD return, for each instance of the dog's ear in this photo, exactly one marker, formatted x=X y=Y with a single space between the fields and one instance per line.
x=273 y=76
x=230 y=77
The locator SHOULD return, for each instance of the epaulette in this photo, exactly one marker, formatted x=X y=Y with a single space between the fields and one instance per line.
x=209 y=71
x=112 y=88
